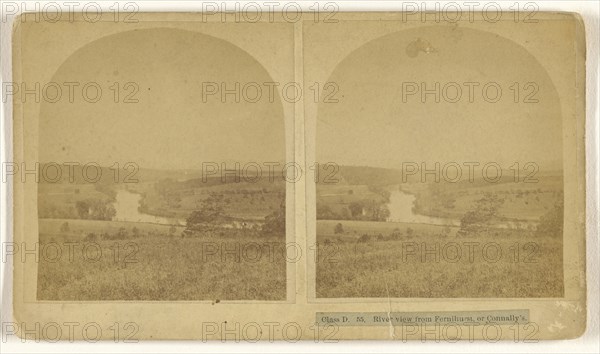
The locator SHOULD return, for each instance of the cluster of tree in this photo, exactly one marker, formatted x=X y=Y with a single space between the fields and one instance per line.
x=210 y=213
x=121 y=234
x=366 y=210
x=394 y=236
x=90 y=208
x=211 y=216
x=483 y=214
x=95 y=209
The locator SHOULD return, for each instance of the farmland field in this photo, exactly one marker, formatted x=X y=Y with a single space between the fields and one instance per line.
x=425 y=261
x=153 y=262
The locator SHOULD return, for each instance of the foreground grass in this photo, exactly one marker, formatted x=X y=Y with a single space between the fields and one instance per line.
x=382 y=265
x=158 y=265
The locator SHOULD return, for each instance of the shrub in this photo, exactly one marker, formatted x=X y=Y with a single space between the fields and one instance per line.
x=339 y=229
x=396 y=234
x=122 y=234
x=356 y=209
x=364 y=238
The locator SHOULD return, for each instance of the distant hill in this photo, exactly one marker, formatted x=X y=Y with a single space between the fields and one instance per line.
x=376 y=176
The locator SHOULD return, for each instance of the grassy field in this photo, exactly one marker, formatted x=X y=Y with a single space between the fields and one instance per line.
x=417 y=260
x=137 y=261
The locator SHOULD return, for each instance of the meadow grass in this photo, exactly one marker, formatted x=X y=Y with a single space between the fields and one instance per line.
x=157 y=264
x=381 y=265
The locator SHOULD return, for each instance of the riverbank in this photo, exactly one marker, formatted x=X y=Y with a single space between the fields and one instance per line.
x=402 y=209
x=127 y=206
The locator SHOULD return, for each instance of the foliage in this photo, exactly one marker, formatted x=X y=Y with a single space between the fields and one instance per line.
x=356 y=209
x=122 y=233
x=484 y=212
x=396 y=234
x=95 y=209
x=210 y=213
x=366 y=210
x=364 y=238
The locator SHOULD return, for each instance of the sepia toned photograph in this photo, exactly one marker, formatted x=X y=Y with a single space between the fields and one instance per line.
x=449 y=170
x=161 y=189
x=298 y=175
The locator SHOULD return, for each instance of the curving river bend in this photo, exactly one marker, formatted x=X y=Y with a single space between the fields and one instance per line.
x=127 y=204
x=401 y=210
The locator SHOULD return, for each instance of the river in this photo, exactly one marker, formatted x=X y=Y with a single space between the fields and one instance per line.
x=127 y=204
x=401 y=210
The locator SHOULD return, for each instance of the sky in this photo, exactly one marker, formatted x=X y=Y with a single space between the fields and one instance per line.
x=171 y=126
x=382 y=120
x=376 y=122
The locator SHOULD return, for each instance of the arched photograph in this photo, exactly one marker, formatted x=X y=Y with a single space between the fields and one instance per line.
x=447 y=147
x=157 y=169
